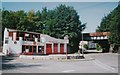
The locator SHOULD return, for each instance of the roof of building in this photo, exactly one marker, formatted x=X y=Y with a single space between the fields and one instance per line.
x=99 y=34
x=44 y=37
x=13 y=30
x=48 y=38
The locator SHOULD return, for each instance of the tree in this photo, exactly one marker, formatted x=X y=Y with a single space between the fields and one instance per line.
x=115 y=28
x=105 y=24
x=59 y=22
x=0 y=27
x=9 y=19
x=111 y=24
x=65 y=21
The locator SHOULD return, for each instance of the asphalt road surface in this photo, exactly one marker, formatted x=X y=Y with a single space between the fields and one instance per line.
x=94 y=63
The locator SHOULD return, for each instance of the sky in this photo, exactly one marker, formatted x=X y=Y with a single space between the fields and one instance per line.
x=89 y=12
x=59 y=0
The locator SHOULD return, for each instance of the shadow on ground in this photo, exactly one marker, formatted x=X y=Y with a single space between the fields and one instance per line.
x=7 y=63
x=91 y=52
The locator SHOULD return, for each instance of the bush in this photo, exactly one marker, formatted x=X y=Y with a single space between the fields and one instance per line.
x=85 y=46
x=98 y=47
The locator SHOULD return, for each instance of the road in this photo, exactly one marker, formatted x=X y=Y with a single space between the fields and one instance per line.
x=97 y=63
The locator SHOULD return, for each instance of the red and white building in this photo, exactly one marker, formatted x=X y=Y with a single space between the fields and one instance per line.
x=23 y=42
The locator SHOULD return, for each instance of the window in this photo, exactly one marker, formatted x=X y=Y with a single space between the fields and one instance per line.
x=34 y=49
x=23 y=48
x=27 y=47
x=27 y=37
x=20 y=34
x=40 y=49
x=6 y=40
x=30 y=49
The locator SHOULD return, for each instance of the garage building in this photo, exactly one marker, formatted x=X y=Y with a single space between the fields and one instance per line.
x=24 y=42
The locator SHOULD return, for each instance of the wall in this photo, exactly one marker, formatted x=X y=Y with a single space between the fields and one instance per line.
x=15 y=46
x=5 y=46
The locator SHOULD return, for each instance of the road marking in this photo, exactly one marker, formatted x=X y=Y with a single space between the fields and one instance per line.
x=67 y=71
x=102 y=65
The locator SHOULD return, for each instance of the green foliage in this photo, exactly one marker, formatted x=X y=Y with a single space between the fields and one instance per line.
x=85 y=46
x=115 y=27
x=111 y=23
x=105 y=24
x=98 y=47
x=59 y=22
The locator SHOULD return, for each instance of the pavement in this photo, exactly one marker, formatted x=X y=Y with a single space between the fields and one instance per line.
x=98 y=63
x=51 y=57
x=58 y=56
x=109 y=59
x=94 y=51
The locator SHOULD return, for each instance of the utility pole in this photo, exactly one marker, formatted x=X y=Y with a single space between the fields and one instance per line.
x=82 y=46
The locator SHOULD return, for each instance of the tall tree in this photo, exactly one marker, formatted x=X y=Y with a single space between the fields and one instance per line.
x=59 y=22
x=115 y=28
x=9 y=19
x=111 y=23
x=65 y=21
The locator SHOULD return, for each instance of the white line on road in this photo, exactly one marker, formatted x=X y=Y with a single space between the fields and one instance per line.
x=67 y=71
x=102 y=65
